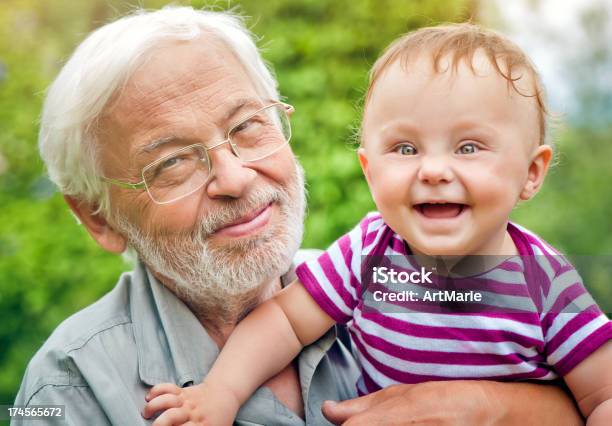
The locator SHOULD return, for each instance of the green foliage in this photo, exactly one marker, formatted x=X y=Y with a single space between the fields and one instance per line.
x=321 y=50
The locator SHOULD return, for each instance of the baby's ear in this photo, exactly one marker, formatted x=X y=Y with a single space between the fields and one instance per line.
x=363 y=160
x=537 y=171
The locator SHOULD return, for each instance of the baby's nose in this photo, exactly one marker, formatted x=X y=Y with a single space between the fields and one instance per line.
x=435 y=170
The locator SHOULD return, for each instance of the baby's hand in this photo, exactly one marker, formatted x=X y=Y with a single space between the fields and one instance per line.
x=197 y=405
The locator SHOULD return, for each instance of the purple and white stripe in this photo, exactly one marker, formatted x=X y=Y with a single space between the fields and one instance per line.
x=416 y=347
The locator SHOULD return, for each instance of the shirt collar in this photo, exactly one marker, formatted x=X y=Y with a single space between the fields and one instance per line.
x=173 y=346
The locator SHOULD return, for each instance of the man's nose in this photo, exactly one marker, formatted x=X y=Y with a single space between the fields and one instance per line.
x=230 y=177
x=435 y=170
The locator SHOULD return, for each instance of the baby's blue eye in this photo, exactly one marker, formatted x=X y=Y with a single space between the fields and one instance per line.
x=406 y=150
x=468 y=148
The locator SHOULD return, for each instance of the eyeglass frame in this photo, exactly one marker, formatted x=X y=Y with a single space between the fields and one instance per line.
x=143 y=184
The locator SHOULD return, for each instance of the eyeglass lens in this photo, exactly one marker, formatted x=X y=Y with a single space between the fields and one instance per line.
x=186 y=170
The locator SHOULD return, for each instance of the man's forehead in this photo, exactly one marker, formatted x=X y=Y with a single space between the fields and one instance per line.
x=197 y=75
x=180 y=89
x=183 y=66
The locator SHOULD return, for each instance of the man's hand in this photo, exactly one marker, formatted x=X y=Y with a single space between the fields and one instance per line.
x=199 y=405
x=431 y=403
x=460 y=402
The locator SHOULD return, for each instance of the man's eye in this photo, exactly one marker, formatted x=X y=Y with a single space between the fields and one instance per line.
x=169 y=165
x=468 y=148
x=250 y=125
x=405 y=150
x=242 y=126
x=170 y=162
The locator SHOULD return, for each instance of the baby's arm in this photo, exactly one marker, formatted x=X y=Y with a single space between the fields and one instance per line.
x=261 y=346
x=591 y=384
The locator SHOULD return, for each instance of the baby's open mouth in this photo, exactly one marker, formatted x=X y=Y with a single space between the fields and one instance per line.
x=440 y=210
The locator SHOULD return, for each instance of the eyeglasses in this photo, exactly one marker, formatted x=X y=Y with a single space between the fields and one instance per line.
x=184 y=171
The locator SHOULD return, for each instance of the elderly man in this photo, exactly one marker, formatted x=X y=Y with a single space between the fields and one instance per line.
x=166 y=134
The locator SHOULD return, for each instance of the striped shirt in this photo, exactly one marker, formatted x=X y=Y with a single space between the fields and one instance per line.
x=407 y=346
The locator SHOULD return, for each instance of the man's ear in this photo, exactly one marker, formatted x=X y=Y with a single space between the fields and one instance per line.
x=363 y=160
x=97 y=226
x=290 y=111
x=537 y=171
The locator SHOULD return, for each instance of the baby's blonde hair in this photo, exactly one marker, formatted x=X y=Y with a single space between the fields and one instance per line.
x=460 y=42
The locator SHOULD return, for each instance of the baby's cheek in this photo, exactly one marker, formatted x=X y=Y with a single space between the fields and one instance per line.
x=386 y=204
x=386 y=189
x=498 y=194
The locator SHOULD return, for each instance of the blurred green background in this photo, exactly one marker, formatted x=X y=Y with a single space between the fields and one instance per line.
x=321 y=50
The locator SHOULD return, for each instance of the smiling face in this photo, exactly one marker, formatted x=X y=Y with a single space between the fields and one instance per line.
x=244 y=225
x=448 y=155
x=185 y=93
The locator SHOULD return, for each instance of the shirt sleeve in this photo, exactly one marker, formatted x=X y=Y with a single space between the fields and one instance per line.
x=573 y=325
x=334 y=278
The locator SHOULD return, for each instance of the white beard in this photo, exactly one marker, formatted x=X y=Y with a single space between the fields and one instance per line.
x=223 y=283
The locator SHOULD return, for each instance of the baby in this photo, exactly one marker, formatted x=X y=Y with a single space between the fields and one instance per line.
x=452 y=138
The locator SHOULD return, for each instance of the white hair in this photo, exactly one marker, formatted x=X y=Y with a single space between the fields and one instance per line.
x=100 y=67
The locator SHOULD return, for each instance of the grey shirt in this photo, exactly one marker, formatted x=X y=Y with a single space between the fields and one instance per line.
x=102 y=361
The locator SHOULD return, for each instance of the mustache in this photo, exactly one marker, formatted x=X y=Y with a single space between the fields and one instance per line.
x=231 y=210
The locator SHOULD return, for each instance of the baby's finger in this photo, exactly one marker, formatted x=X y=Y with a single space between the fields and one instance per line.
x=174 y=416
x=160 y=403
x=161 y=389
